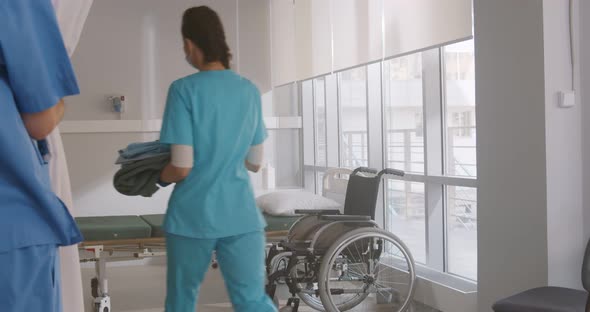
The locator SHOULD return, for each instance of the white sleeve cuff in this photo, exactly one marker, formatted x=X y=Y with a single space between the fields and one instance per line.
x=182 y=156
x=256 y=155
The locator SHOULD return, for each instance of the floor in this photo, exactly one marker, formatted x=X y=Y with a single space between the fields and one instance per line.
x=142 y=289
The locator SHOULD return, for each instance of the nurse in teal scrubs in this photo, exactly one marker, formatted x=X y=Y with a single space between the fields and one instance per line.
x=213 y=121
x=35 y=74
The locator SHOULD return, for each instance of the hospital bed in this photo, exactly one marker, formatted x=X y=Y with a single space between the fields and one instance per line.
x=128 y=238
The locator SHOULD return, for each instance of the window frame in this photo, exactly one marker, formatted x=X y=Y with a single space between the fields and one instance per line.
x=434 y=120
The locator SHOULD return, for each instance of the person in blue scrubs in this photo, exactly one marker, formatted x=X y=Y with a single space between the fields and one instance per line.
x=215 y=116
x=35 y=74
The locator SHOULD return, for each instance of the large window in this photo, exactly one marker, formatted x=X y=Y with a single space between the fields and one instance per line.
x=460 y=109
x=319 y=91
x=353 y=118
x=460 y=158
x=414 y=113
x=403 y=108
x=405 y=215
x=462 y=231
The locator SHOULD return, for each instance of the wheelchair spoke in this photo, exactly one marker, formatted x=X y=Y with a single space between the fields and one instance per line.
x=370 y=263
x=391 y=283
x=357 y=272
x=357 y=251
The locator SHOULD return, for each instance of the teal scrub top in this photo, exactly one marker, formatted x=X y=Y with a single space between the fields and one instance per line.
x=219 y=113
x=35 y=73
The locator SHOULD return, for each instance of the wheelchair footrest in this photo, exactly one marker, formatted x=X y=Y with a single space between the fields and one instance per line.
x=293 y=303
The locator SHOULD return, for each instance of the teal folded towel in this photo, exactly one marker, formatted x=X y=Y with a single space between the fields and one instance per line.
x=140 y=178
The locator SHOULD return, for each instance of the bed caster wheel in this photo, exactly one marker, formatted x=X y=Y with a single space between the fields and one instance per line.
x=102 y=304
x=98 y=309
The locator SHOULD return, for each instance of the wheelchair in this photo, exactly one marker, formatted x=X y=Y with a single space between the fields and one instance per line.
x=339 y=262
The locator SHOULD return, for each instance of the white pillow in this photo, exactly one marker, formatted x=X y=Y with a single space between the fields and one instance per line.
x=285 y=203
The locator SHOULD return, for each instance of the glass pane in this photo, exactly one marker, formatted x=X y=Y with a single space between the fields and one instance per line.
x=353 y=109
x=462 y=231
x=320 y=183
x=319 y=91
x=309 y=180
x=404 y=215
x=287 y=158
x=308 y=124
x=460 y=145
x=332 y=120
x=403 y=110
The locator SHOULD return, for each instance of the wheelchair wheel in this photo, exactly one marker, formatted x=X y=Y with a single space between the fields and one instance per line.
x=367 y=263
x=309 y=290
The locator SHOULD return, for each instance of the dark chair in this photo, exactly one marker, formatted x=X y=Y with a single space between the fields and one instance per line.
x=551 y=299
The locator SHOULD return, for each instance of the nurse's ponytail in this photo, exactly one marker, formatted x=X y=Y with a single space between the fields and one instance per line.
x=203 y=27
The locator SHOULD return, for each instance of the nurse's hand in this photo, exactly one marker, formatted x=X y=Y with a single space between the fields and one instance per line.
x=254 y=159
x=39 y=125
x=172 y=174
x=252 y=167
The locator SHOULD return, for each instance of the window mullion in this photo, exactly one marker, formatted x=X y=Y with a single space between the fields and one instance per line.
x=433 y=155
x=375 y=129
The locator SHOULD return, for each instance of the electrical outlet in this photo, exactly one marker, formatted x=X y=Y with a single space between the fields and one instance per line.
x=567 y=99
x=117 y=103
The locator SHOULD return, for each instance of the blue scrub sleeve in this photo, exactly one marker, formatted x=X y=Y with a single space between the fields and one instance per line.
x=177 y=125
x=34 y=55
x=261 y=134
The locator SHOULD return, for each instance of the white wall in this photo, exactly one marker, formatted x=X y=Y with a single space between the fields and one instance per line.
x=563 y=131
x=531 y=216
x=510 y=94
x=254 y=42
x=134 y=48
x=584 y=62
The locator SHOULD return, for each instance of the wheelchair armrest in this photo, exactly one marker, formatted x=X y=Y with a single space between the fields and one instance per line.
x=317 y=212
x=344 y=218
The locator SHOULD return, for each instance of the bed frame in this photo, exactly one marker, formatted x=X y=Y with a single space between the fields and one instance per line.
x=151 y=243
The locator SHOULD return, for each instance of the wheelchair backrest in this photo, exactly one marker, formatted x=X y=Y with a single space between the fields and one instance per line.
x=335 y=183
x=362 y=193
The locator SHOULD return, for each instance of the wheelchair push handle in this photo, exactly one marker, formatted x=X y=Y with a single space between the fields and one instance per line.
x=389 y=171
x=365 y=170
x=386 y=171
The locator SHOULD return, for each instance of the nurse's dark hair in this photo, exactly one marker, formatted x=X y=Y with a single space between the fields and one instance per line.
x=203 y=27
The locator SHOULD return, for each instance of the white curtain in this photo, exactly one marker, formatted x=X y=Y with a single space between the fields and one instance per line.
x=71 y=15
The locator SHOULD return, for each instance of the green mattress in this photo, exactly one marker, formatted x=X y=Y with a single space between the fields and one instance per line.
x=113 y=228
x=155 y=222
x=275 y=223
x=132 y=227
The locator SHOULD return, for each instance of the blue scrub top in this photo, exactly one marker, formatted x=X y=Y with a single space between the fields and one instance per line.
x=218 y=113
x=35 y=73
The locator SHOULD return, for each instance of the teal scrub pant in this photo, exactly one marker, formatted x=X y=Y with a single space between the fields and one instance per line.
x=241 y=260
x=30 y=280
